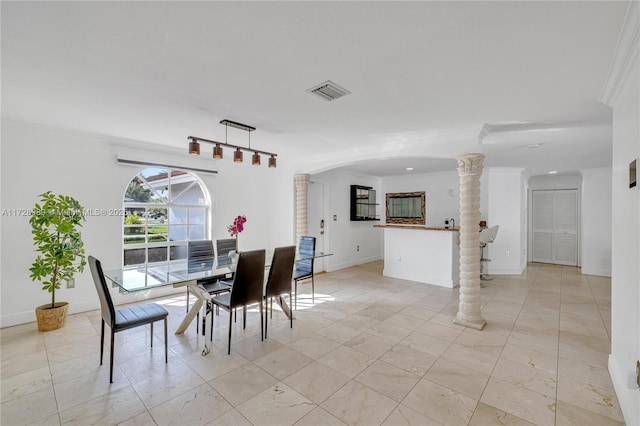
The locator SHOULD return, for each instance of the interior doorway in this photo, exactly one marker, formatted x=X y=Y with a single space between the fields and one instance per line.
x=316 y=222
x=555 y=226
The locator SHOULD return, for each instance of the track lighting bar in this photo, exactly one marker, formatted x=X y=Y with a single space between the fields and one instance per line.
x=194 y=146
x=243 y=148
x=240 y=126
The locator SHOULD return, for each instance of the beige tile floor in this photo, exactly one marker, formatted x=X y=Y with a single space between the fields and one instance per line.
x=371 y=350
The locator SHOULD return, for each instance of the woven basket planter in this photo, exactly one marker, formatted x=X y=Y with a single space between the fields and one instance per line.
x=51 y=318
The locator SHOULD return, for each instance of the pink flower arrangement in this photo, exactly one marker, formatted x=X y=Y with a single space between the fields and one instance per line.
x=237 y=227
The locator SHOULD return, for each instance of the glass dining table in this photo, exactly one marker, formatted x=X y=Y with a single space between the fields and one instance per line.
x=182 y=273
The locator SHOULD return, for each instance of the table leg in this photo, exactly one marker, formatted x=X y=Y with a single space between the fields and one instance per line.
x=285 y=308
x=201 y=298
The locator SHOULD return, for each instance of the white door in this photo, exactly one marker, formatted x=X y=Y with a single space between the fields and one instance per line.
x=316 y=223
x=555 y=226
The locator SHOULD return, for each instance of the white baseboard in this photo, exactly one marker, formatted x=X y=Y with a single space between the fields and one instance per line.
x=627 y=392
x=597 y=272
x=90 y=305
x=349 y=264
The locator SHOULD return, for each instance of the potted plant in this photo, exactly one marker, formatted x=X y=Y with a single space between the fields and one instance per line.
x=55 y=223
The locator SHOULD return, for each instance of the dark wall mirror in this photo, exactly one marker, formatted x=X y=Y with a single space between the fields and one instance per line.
x=406 y=208
x=363 y=203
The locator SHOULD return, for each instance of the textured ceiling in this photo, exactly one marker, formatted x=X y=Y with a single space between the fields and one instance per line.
x=417 y=72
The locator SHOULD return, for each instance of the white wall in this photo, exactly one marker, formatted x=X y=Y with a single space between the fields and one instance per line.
x=36 y=159
x=505 y=208
x=342 y=237
x=442 y=194
x=625 y=269
x=572 y=181
x=596 y=222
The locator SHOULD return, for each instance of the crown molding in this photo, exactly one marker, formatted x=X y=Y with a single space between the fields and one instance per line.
x=625 y=55
x=486 y=130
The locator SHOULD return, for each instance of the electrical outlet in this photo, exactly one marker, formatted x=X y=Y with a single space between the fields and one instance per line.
x=357 y=248
x=506 y=253
x=71 y=283
x=335 y=217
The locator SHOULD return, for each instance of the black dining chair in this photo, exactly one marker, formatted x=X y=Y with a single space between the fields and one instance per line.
x=126 y=318
x=200 y=257
x=304 y=267
x=247 y=288
x=279 y=280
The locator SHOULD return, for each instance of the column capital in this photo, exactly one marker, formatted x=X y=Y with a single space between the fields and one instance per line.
x=301 y=179
x=470 y=164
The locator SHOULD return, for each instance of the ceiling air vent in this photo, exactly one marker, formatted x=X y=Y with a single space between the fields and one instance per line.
x=329 y=91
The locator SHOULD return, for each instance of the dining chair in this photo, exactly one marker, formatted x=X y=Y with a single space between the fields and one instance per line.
x=200 y=257
x=126 y=318
x=223 y=247
x=279 y=280
x=247 y=288
x=304 y=267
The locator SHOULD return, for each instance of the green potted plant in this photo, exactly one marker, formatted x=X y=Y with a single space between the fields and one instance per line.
x=55 y=225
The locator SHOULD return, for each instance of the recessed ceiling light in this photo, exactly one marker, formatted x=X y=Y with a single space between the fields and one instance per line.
x=409 y=169
x=553 y=172
x=535 y=145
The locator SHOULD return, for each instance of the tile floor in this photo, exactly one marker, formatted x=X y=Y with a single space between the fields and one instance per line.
x=371 y=350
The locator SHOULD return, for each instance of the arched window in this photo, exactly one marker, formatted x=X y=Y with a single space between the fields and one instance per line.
x=164 y=209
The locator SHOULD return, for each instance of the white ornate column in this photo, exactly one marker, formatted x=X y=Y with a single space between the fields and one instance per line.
x=470 y=170
x=302 y=187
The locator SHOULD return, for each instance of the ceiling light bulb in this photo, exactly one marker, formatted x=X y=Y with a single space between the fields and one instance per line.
x=553 y=172
x=409 y=168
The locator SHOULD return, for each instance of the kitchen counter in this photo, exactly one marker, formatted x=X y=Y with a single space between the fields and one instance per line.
x=427 y=256
x=417 y=228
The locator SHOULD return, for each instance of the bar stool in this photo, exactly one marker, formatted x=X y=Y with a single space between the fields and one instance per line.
x=487 y=236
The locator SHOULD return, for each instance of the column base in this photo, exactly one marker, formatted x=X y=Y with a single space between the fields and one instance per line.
x=475 y=323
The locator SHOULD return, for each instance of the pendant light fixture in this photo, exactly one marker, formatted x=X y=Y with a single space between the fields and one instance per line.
x=217 y=152
x=237 y=156
x=194 y=146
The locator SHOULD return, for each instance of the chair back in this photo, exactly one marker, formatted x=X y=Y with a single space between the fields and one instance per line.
x=106 y=304
x=223 y=247
x=199 y=249
x=199 y=255
x=281 y=272
x=248 y=281
x=306 y=248
x=487 y=235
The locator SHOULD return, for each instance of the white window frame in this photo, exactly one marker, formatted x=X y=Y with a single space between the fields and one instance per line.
x=168 y=244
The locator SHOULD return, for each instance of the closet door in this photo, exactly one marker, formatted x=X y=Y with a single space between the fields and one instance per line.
x=543 y=226
x=566 y=227
x=555 y=226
